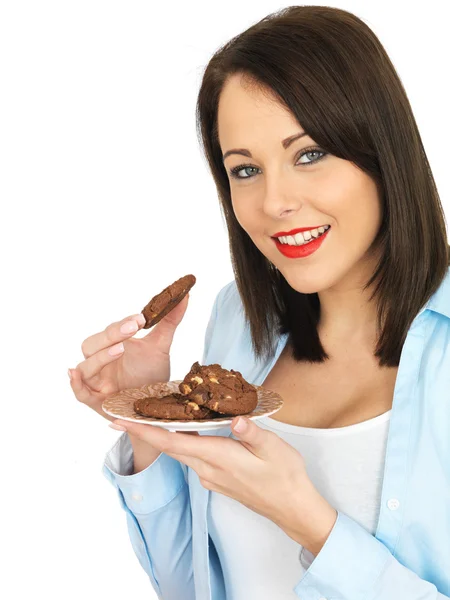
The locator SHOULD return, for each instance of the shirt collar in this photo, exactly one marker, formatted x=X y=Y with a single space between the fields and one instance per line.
x=440 y=300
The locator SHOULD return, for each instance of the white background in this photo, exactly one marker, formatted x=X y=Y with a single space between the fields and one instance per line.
x=106 y=199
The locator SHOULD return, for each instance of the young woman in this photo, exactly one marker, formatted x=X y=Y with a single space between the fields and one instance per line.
x=340 y=303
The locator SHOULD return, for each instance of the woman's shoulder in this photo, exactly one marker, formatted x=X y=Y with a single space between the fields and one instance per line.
x=439 y=302
x=430 y=345
x=227 y=310
x=228 y=297
x=227 y=338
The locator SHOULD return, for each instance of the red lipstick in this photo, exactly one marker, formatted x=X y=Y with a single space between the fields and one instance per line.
x=303 y=250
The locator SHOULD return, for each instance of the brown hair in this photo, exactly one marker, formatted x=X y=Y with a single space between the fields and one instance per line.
x=331 y=71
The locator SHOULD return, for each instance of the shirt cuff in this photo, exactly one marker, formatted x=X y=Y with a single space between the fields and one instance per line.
x=148 y=490
x=347 y=566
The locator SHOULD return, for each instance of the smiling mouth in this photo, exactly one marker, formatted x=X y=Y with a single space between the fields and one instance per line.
x=302 y=237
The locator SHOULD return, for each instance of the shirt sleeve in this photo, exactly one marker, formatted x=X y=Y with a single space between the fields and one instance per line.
x=157 y=506
x=355 y=565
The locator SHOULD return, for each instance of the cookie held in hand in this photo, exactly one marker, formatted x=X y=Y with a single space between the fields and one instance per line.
x=161 y=304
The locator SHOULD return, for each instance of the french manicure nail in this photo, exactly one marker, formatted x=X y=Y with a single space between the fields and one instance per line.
x=129 y=327
x=117 y=349
x=117 y=427
x=140 y=319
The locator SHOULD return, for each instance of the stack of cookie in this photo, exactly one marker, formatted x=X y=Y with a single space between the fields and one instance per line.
x=207 y=392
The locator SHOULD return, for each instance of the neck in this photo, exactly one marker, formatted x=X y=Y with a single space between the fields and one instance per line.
x=347 y=315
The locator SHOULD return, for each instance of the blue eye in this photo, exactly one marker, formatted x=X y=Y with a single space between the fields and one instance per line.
x=235 y=170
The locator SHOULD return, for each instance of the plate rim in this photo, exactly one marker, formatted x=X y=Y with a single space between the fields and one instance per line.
x=201 y=423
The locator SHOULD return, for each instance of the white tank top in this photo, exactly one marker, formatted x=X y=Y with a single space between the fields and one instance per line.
x=346 y=466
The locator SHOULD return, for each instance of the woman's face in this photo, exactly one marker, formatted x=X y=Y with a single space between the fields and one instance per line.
x=280 y=189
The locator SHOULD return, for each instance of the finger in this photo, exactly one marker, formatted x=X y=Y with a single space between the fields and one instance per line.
x=79 y=388
x=256 y=439
x=196 y=464
x=111 y=335
x=164 y=331
x=201 y=447
x=92 y=366
x=87 y=396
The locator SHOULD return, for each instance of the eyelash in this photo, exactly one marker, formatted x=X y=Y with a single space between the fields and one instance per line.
x=235 y=170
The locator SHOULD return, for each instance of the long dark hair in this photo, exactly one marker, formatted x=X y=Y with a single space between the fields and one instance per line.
x=331 y=71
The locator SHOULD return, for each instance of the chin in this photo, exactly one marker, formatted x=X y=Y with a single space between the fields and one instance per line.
x=309 y=283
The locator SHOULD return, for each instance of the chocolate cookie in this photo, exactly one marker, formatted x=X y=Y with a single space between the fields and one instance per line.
x=221 y=390
x=161 y=304
x=174 y=406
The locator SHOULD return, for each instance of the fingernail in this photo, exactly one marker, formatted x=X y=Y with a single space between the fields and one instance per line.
x=115 y=350
x=117 y=427
x=70 y=374
x=240 y=426
x=140 y=319
x=129 y=327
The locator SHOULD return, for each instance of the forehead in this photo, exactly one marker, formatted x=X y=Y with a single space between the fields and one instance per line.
x=246 y=112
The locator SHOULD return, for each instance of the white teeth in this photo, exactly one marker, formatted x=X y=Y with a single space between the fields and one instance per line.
x=303 y=237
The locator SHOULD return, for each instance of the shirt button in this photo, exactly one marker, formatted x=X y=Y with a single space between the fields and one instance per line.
x=393 y=504
x=322 y=598
x=136 y=496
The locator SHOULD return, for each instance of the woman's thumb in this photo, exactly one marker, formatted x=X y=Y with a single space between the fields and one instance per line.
x=165 y=329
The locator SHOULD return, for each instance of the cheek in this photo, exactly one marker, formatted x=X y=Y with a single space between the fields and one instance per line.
x=244 y=215
x=366 y=220
x=357 y=210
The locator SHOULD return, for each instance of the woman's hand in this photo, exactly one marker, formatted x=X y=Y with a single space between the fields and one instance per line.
x=261 y=471
x=142 y=361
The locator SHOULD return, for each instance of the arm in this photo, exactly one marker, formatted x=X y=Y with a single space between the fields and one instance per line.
x=158 y=514
x=143 y=455
x=354 y=565
x=154 y=493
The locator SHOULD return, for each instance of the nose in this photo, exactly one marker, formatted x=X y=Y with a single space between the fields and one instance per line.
x=280 y=199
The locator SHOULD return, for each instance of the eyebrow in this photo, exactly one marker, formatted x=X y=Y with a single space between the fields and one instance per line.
x=244 y=152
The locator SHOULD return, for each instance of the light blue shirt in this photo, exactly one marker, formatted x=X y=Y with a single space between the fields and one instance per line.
x=409 y=556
